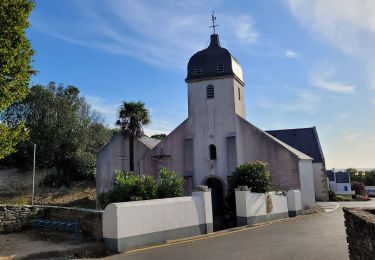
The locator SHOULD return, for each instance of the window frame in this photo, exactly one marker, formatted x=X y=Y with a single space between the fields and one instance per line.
x=198 y=70
x=220 y=68
x=213 y=152
x=210 y=92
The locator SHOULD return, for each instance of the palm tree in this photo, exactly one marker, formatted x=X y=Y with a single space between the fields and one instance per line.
x=131 y=118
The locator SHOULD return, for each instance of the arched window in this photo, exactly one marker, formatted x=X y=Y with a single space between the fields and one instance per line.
x=212 y=152
x=210 y=92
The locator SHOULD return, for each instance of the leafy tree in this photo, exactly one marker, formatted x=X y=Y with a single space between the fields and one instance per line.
x=159 y=136
x=354 y=175
x=67 y=132
x=15 y=68
x=131 y=118
x=370 y=178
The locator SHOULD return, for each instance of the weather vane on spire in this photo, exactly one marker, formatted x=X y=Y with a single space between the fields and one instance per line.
x=213 y=18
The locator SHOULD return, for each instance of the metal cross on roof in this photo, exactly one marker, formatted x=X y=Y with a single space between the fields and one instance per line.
x=213 y=18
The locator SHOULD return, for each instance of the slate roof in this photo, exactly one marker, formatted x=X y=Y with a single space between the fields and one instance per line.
x=303 y=139
x=208 y=60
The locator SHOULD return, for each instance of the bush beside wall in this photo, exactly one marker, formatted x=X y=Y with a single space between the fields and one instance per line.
x=133 y=187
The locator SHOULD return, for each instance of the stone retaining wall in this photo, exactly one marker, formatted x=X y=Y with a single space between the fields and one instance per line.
x=91 y=220
x=15 y=218
x=13 y=180
x=360 y=231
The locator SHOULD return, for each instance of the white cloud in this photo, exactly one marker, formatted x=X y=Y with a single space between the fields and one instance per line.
x=294 y=100
x=322 y=79
x=106 y=109
x=372 y=101
x=291 y=54
x=352 y=137
x=244 y=29
x=164 y=34
x=348 y=25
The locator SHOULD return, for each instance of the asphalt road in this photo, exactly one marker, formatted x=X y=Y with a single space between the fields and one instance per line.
x=318 y=236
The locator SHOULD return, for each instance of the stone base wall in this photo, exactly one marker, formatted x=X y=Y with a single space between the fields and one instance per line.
x=360 y=231
x=90 y=220
x=15 y=218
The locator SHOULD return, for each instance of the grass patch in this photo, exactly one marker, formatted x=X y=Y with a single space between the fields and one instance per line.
x=344 y=197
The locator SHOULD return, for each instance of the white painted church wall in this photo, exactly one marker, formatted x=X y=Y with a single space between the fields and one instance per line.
x=107 y=162
x=115 y=156
x=138 y=223
x=172 y=145
x=211 y=121
x=239 y=103
x=255 y=145
x=307 y=183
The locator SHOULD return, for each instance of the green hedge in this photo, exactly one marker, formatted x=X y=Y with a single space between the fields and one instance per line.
x=131 y=187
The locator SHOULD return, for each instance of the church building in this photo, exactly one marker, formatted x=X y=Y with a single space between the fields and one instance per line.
x=216 y=137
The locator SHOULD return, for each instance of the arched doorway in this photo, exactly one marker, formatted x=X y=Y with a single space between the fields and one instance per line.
x=217 y=197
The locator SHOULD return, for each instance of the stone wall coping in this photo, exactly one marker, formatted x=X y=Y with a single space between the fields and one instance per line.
x=70 y=208
x=362 y=213
x=49 y=206
x=242 y=188
x=202 y=188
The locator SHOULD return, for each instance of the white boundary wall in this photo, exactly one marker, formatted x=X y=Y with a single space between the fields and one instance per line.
x=294 y=202
x=252 y=207
x=138 y=223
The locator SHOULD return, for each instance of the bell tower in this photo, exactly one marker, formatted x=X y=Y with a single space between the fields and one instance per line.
x=215 y=99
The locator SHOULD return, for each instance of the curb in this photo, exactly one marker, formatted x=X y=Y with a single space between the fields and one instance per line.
x=96 y=250
x=215 y=234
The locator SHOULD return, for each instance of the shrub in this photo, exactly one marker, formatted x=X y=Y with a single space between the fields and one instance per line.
x=130 y=187
x=170 y=184
x=252 y=174
x=332 y=195
x=358 y=187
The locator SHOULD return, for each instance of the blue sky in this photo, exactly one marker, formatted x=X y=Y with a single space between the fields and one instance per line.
x=305 y=62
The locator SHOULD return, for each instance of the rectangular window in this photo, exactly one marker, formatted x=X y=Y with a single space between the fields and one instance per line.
x=220 y=68
x=198 y=71
x=239 y=94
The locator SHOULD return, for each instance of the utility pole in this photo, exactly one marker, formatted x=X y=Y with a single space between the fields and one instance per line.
x=32 y=195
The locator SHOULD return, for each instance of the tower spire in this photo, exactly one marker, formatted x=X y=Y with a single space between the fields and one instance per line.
x=214 y=25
